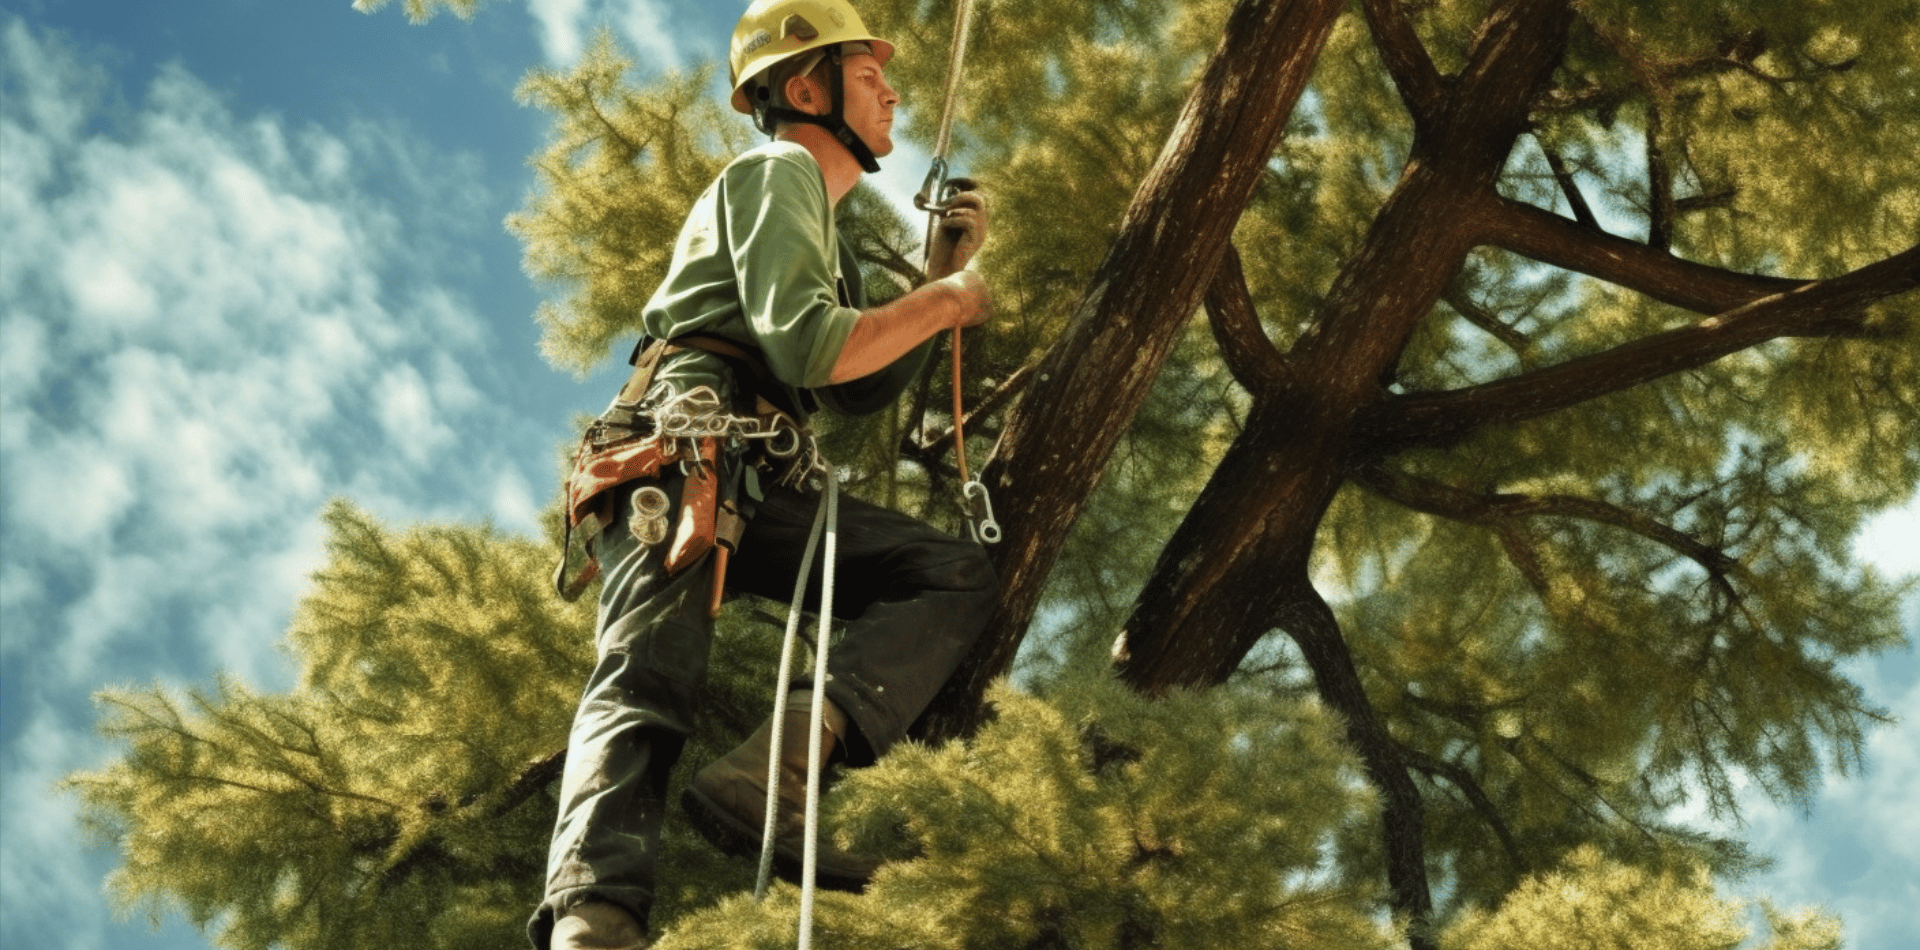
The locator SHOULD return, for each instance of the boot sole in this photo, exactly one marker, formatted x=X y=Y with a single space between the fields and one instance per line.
x=733 y=837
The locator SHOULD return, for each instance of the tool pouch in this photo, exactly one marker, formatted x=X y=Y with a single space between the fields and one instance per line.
x=599 y=468
x=699 y=506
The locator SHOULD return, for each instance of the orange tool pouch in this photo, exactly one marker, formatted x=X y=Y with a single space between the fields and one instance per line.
x=597 y=472
x=621 y=448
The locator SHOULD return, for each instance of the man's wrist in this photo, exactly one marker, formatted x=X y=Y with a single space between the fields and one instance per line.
x=959 y=291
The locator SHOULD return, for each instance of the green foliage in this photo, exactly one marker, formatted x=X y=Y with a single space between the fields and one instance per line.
x=1734 y=89
x=1608 y=611
x=624 y=166
x=402 y=795
x=398 y=797
x=1591 y=903
x=1092 y=817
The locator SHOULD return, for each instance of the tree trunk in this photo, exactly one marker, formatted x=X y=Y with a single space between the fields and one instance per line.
x=1088 y=388
x=1238 y=565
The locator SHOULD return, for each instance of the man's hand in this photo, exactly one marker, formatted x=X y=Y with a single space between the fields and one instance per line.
x=963 y=228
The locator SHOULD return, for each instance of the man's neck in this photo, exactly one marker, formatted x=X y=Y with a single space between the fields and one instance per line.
x=837 y=165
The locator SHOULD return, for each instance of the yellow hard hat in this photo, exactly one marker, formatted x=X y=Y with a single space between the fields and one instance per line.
x=772 y=31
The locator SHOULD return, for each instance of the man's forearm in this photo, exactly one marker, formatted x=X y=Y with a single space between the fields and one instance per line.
x=885 y=334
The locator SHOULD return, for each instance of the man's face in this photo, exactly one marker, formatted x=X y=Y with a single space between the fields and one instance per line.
x=869 y=103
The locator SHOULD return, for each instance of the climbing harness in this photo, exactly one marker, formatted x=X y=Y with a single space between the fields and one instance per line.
x=936 y=196
x=646 y=431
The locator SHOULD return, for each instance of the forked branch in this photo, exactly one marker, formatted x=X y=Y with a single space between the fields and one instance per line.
x=1827 y=308
x=1252 y=358
x=1421 y=86
x=1501 y=510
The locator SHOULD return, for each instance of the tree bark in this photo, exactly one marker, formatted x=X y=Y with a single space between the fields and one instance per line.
x=1267 y=496
x=1819 y=308
x=1237 y=567
x=1089 y=386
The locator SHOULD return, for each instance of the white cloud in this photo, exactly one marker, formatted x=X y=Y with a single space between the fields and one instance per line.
x=1891 y=542
x=512 y=501
x=41 y=892
x=564 y=26
x=209 y=324
x=645 y=24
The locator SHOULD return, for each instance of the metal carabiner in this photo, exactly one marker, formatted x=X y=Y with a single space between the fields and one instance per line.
x=931 y=189
x=979 y=510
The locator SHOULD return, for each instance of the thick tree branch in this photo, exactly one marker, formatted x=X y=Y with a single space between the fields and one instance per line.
x=1421 y=86
x=1551 y=239
x=1821 y=308
x=1252 y=358
x=1420 y=238
x=1093 y=381
x=1212 y=595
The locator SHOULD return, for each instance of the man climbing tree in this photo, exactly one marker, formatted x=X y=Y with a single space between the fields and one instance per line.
x=698 y=479
x=1531 y=406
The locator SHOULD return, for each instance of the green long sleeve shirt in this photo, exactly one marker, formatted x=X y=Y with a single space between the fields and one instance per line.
x=760 y=262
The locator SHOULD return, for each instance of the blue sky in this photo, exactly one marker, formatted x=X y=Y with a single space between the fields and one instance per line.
x=252 y=258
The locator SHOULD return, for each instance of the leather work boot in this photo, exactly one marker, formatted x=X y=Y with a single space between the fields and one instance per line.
x=598 y=925
x=728 y=800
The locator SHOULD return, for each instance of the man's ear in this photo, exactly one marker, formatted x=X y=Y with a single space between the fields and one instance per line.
x=800 y=93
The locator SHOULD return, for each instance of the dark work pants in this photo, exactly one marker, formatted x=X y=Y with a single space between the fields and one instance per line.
x=913 y=600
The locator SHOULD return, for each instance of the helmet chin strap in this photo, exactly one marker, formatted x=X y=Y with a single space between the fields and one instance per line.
x=767 y=115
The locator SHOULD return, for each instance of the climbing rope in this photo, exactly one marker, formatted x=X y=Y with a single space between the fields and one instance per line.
x=825 y=521
x=935 y=198
x=810 y=856
x=956 y=54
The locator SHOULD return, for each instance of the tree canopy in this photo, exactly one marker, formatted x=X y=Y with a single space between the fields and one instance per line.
x=1459 y=410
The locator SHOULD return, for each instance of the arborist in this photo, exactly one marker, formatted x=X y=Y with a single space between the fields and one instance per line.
x=703 y=479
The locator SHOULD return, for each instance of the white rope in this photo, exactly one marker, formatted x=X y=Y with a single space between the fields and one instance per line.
x=826 y=521
x=955 y=54
x=810 y=858
x=780 y=704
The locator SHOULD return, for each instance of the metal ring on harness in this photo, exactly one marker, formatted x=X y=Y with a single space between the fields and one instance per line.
x=774 y=447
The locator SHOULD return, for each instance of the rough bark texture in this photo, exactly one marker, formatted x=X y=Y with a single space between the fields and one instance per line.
x=1088 y=388
x=1237 y=568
